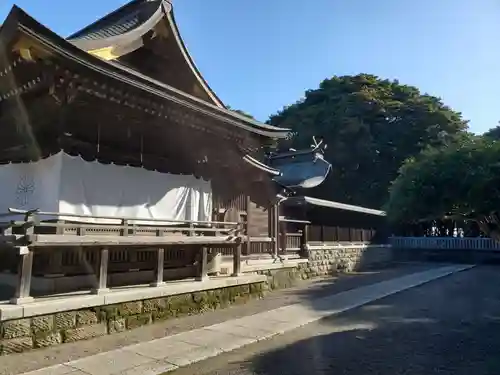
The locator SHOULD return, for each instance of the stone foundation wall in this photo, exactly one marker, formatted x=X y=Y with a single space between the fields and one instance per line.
x=48 y=330
x=327 y=260
x=21 y=335
x=285 y=277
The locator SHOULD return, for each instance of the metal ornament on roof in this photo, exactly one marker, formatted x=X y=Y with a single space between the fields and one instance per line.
x=301 y=169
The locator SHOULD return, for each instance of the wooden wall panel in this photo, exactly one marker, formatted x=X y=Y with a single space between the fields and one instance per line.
x=259 y=221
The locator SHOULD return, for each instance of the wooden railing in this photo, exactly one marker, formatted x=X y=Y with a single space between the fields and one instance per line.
x=445 y=243
x=136 y=243
x=293 y=242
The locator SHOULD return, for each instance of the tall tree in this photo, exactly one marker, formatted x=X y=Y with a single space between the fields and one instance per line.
x=493 y=133
x=458 y=182
x=371 y=126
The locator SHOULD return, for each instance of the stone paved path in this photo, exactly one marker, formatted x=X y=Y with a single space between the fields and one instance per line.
x=172 y=352
x=448 y=327
x=303 y=293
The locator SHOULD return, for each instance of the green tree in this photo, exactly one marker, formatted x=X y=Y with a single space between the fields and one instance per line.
x=370 y=126
x=493 y=133
x=458 y=182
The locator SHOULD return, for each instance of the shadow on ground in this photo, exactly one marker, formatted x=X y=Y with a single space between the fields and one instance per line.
x=450 y=326
x=447 y=327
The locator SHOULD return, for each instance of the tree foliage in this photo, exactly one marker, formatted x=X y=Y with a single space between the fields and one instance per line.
x=461 y=181
x=493 y=133
x=371 y=126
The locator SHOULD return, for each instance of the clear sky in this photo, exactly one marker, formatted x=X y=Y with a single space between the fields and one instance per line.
x=260 y=55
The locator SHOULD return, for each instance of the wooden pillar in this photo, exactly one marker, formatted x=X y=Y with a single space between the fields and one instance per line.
x=304 y=250
x=202 y=273
x=25 y=263
x=237 y=260
x=24 y=272
x=247 y=229
x=282 y=226
x=102 y=272
x=160 y=264
x=276 y=220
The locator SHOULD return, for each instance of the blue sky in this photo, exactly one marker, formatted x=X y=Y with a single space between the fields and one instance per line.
x=260 y=55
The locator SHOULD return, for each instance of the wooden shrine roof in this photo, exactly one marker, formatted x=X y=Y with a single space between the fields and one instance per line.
x=22 y=34
x=130 y=29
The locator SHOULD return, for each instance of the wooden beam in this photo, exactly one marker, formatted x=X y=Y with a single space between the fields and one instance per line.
x=44 y=240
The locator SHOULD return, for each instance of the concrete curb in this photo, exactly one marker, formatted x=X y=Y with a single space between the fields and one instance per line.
x=169 y=353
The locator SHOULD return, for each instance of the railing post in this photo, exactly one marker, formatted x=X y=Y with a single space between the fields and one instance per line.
x=124 y=231
x=160 y=264
x=102 y=276
x=203 y=266
x=23 y=286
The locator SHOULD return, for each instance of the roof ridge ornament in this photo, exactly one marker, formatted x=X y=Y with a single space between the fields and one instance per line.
x=301 y=169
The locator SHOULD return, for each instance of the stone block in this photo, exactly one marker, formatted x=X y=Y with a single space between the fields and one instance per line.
x=44 y=340
x=139 y=320
x=202 y=301
x=17 y=345
x=256 y=289
x=116 y=324
x=130 y=308
x=159 y=316
x=84 y=332
x=107 y=312
x=42 y=323
x=156 y=304
x=16 y=328
x=182 y=304
x=86 y=318
x=65 y=320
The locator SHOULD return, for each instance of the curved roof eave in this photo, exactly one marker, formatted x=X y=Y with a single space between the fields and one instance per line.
x=166 y=10
x=18 y=20
x=102 y=42
x=335 y=205
x=189 y=60
x=163 y=9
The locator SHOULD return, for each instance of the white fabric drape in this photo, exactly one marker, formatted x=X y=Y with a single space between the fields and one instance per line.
x=71 y=185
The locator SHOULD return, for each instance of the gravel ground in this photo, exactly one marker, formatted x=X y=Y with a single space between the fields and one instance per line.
x=307 y=292
x=449 y=326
